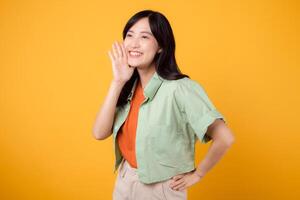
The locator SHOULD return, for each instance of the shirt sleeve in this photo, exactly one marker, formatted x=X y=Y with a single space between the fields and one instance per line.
x=197 y=108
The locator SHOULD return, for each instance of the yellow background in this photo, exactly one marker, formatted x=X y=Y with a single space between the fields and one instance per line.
x=55 y=73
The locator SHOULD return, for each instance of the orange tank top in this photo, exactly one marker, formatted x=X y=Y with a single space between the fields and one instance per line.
x=127 y=133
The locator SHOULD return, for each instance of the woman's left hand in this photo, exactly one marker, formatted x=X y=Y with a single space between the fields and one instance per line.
x=183 y=181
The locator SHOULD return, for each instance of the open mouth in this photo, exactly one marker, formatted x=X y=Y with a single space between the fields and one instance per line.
x=135 y=54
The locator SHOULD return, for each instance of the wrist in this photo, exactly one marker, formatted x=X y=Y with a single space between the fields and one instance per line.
x=118 y=82
x=198 y=173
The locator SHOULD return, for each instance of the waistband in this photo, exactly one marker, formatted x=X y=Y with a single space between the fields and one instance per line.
x=131 y=172
x=126 y=168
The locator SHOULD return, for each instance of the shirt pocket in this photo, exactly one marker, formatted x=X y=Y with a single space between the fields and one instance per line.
x=168 y=144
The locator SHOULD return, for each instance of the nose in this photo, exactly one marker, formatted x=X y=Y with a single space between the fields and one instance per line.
x=134 y=43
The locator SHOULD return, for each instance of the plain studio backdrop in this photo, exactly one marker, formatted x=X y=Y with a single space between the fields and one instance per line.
x=55 y=73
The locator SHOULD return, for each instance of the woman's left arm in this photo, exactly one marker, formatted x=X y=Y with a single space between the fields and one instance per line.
x=222 y=139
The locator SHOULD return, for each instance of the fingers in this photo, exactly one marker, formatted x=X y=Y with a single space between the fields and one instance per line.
x=182 y=181
x=178 y=177
x=176 y=183
x=111 y=56
x=123 y=50
x=118 y=49
x=114 y=51
x=180 y=186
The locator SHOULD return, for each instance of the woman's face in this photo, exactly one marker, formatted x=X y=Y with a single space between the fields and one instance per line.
x=141 y=46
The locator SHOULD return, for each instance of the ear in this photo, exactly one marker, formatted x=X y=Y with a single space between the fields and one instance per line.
x=160 y=50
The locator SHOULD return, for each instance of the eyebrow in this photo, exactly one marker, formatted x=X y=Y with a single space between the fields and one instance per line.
x=142 y=32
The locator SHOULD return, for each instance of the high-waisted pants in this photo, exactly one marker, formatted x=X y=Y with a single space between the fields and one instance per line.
x=128 y=187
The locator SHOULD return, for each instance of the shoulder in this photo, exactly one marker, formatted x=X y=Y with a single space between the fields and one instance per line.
x=187 y=82
x=183 y=88
x=187 y=86
x=183 y=91
x=182 y=83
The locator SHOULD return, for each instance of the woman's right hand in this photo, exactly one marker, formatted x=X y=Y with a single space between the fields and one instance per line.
x=121 y=70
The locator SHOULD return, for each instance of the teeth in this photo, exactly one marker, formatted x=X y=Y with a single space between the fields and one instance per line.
x=135 y=53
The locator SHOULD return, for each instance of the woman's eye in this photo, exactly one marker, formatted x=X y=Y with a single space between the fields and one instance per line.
x=144 y=37
x=128 y=35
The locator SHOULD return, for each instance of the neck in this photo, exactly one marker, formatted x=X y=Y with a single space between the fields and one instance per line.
x=145 y=75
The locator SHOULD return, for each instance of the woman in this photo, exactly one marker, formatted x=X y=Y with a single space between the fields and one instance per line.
x=156 y=114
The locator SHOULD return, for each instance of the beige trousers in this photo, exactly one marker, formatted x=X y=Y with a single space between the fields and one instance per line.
x=128 y=187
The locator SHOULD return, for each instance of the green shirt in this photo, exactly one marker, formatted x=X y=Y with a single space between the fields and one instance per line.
x=174 y=114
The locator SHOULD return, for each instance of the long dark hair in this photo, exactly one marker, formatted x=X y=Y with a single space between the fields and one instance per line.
x=165 y=62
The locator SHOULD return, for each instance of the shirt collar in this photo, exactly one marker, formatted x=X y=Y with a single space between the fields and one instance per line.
x=151 y=87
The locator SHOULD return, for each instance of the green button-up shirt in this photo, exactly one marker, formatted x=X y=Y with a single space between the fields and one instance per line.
x=174 y=114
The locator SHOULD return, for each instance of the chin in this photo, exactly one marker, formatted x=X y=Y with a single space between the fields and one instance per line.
x=134 y=64
x=140 y=65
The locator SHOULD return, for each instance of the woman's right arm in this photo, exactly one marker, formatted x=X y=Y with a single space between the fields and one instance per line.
x=104 y=120
x=122 y=73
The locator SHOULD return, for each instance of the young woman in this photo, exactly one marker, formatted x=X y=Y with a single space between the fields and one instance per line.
x=156 y=114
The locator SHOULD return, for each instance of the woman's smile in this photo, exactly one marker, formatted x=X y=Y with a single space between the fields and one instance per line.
x=135 y=54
